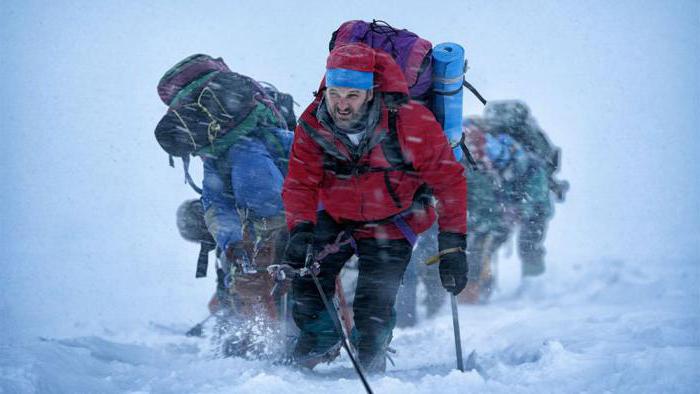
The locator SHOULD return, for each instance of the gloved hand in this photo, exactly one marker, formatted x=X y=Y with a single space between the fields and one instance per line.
x=453 y=261
x=300 y=238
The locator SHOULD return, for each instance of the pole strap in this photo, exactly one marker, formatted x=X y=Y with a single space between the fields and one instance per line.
x=434 y=259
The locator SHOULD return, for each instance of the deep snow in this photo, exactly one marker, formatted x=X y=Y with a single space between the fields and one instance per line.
x=606 y=326
x=97 y=285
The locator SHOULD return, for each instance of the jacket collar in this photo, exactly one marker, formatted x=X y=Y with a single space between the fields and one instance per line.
x=372 y=135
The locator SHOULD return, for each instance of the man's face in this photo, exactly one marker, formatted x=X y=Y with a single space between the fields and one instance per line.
x=347 y=105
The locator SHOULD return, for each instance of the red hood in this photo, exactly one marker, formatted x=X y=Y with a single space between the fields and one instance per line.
x=388 y=77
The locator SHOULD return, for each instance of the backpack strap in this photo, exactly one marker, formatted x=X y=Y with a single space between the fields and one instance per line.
x=467 y=154
x=328 y=148
x=392 y=148
x=474 y=91
x=393 y=154
x=203 y=259
x=188 y=178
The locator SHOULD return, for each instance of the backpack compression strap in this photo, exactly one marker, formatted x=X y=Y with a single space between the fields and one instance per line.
x=466 y=85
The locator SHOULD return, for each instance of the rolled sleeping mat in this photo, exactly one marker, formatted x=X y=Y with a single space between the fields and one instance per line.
x=448 y=78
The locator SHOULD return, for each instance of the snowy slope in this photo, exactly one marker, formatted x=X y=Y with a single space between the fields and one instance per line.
x=602 y=327
x=97 y=285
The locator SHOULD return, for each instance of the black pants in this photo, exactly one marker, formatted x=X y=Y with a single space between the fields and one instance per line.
x=417 y=271
x=531 y=240
x=381 y=266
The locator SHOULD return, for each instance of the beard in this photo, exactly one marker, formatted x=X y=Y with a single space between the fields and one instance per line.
x=349 y=119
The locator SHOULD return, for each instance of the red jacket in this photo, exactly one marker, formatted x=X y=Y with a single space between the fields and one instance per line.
x=365 y=197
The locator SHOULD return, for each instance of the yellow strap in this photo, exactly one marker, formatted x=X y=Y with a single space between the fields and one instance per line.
x=436 y=258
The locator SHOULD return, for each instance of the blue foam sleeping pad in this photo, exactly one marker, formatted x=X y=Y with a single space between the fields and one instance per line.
x=448 y=76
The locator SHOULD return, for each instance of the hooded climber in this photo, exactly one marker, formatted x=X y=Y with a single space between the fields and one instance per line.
x=241 y=197
x=364 y=166
x=528 y=190
x=236 y=126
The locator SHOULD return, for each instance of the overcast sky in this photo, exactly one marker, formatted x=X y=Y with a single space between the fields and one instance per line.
x=88 y=200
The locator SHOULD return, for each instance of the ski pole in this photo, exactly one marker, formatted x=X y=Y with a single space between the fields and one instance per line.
x=334 y=317
x=455 y=325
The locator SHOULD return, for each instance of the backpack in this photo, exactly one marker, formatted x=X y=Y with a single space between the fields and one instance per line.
x=414 y=56
x=411 y=52
x=284 y=102
x=205 y=101
x=513 y=117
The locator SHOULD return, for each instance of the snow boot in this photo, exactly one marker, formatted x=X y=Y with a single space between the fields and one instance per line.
x=311 y=349
x=373 y=355
x=374 y=364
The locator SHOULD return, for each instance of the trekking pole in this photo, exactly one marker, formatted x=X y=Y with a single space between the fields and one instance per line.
x=455 y=325
x=284 y=320
x=196 y=331
x=280 y=292
x=334 y=317
x=343 y=306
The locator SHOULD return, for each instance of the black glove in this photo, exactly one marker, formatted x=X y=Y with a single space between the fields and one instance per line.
x=300 y=238
x=453 y=261
x=559 y=188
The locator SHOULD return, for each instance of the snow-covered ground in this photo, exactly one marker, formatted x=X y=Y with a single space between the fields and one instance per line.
x=97 y=286
x=605 y=326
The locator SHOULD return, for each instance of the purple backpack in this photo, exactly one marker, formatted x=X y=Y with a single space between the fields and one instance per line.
x=190 y=69
x=412 y=53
